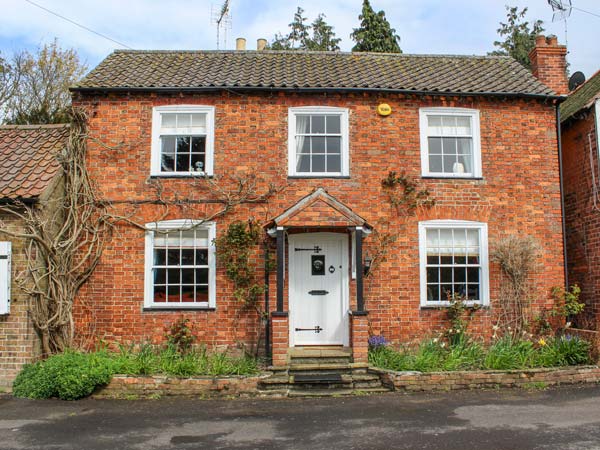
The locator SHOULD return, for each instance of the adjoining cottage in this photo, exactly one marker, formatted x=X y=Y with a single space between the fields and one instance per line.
x=170 y=130
x=579 y=124
x=29 y=175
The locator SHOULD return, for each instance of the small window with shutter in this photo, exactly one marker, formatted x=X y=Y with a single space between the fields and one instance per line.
x=5 y=248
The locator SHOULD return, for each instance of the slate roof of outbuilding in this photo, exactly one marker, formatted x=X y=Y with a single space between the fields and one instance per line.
x=28 y=162
x=189 y=70
x=581 y=98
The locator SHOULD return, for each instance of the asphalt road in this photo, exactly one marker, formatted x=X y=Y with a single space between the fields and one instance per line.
x=564 y=418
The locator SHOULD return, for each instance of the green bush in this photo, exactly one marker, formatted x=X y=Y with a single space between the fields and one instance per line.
x=507 y=354
x=68 y=376
x=564 y=351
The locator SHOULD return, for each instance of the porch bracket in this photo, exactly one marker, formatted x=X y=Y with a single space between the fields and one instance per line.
x=280 y=267
x=360 y=301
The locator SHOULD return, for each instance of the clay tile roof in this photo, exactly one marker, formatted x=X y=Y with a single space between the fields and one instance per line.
x=162 y=70
x=28 y=161
x=581 y=98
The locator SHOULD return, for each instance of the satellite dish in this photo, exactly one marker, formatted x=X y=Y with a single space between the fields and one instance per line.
x=577 y=79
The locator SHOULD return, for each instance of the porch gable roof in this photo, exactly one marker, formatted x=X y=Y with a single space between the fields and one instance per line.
x=319 y=209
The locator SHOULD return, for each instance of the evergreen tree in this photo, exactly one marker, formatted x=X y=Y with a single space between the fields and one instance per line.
x=519 y=38
x=374 y=33
x=317 y=36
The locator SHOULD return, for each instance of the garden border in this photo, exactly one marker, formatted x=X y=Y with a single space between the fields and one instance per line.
x=412 y=381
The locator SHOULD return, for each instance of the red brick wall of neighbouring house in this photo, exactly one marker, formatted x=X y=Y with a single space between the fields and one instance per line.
x=519 y=194
x=582 y=215
x=18 y=341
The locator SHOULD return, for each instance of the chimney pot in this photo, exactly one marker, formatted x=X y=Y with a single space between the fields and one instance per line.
x=261 y=44
x=552 y=41
x=240 y=44
x=540 y=40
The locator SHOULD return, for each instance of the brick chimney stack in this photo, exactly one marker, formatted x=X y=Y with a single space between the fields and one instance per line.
x=549 y=63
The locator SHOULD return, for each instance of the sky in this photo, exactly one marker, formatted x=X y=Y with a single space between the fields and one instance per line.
x=425 y=26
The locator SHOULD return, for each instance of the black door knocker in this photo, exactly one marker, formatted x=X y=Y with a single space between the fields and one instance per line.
x=318 y=264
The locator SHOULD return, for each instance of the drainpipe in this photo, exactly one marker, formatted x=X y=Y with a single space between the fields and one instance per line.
x=267 y=318
x=562 y=198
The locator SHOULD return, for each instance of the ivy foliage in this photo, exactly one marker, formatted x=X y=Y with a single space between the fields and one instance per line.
x=410 y=196
x=234 y=254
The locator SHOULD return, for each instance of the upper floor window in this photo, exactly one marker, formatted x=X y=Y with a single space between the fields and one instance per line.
x=180 y=264
x=182 y=140
x=454 y=262
x=318 y=142
x=450 y=144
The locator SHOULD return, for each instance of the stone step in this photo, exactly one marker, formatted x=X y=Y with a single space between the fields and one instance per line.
x=325 y=366
x=320 y=360
x=320 y=392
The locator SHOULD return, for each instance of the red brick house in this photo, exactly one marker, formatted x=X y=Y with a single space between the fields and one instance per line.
x=29 y=178
x=478 y=132
x=579 y=125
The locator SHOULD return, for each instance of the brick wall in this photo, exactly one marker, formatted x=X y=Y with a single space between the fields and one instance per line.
x=519 y=194
x=582 y=214
x=18 y=341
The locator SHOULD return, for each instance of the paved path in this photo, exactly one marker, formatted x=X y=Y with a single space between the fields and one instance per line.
x=565 y=418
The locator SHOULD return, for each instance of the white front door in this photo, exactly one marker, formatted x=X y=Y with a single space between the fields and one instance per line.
x=318 y=283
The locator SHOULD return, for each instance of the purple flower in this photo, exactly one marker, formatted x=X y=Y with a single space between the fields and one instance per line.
x=377 y=341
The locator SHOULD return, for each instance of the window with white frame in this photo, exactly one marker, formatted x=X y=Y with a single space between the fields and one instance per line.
x=182 y=140
x=318 y=142
x=454 y=261
x=5 y=253
x=450 y=142
x=180 y=264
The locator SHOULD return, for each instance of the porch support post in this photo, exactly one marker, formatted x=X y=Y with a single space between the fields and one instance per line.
x=360 y=301
x=280 y=267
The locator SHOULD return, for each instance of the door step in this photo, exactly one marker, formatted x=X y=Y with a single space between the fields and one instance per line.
x=321 y=372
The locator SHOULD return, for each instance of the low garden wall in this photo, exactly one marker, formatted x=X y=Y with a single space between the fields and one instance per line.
x=529 y=378
x=122 y=386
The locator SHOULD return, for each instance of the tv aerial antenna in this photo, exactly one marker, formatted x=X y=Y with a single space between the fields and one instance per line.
x=561 y=10
x=221 y=17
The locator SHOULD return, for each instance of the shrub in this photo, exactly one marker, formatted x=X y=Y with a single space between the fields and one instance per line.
x=68 y=376
x=564 y=351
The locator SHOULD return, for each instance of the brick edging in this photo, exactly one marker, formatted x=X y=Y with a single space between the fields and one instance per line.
x=123 y=386
x=478 y=379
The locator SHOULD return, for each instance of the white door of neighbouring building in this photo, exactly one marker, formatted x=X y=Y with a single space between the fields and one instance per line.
x=318 y=289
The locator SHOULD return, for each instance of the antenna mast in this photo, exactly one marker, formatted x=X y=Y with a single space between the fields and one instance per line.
x=221 y=17
x=561 y=11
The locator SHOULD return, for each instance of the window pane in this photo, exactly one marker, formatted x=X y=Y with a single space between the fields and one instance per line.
x=464 y=146
x=449 y=146
x=160 y=294
x=318 y=124
x=202 y=276
x=318 y=163
x=463 y=125
x=435 y=163
x=201 y=293
x=449 y=125
x=198 y=161
x=202 y=257
x=302 y=124
x=333 y=125
x=183 y=162
x=174 y=276
x=303 y=144
x=318 y=145
x=334 y=163
x=173 y=294
x=460 y=289
x=473 y=292
x=449 y=161
x=173 y=257
x=187 y=293
x=432 y=238
x=473 y=274
x=303 y=164
x=198 y=120
x=198 y=144
x=435 y=145
x=446 y=274
x=168 y=120
x=433 y=292
x=184 y=120
x=432 y=274
x=167 y=144
x=187 y=257
x=460 y=274
x=434 y=124
x=187 y=276
x=446 y=291
x=160 y=276
x=183 y=144
x=334 y=144
x=433 y=259
x=187 y=238
x=167 y=162
x=160 y=257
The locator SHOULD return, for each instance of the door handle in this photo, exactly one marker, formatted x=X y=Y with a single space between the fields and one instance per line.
x=317 y=292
